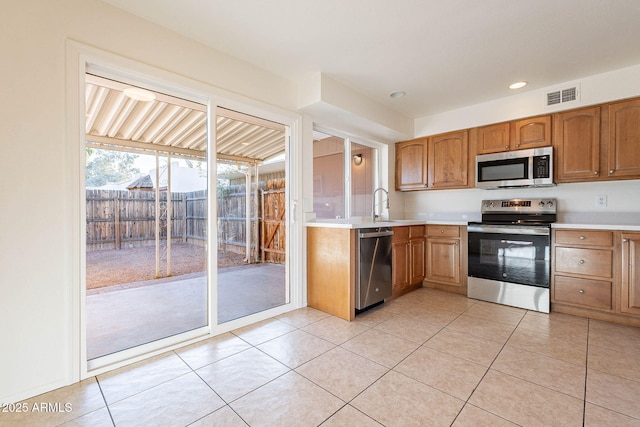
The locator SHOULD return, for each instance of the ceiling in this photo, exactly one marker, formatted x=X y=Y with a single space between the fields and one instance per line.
x=174 y=125
x=444 y=54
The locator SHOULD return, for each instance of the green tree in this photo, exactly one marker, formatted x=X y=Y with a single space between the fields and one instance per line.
x=105 y=166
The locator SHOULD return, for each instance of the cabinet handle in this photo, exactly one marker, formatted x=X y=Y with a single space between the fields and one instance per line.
x=611 y=170
x=596 y=172
x=581 y=261
x=581 y=237
x=581 y=291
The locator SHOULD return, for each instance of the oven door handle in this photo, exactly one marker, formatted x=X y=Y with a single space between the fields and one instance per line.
x=501 y=229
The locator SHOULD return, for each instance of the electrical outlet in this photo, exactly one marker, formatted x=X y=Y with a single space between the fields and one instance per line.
x=601 y=201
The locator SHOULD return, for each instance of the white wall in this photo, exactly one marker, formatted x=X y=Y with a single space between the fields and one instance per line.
x=36 y=209
x=623 y=196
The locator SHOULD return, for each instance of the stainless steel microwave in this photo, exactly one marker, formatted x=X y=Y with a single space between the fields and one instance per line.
x=522 y=168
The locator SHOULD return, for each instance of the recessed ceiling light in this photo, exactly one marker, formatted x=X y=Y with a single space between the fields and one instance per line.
x=517 y=85
x=139 y=94
x=398 y=94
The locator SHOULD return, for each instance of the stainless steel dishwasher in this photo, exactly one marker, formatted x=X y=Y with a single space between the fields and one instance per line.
x=373 y=276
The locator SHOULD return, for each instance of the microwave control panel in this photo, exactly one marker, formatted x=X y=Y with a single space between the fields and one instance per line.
x=541 y=167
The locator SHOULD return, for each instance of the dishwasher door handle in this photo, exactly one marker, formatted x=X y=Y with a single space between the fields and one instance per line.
x=375 y=234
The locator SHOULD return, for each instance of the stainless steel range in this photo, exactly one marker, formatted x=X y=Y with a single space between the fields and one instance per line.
x=510 y=251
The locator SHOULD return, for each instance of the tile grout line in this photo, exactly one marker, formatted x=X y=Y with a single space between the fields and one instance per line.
x=586 y=373
x=404 y=358
x=105 y=401
x=487 y=371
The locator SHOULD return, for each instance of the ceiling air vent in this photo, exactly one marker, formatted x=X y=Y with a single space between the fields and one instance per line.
x=554 y=98
x=561 y=96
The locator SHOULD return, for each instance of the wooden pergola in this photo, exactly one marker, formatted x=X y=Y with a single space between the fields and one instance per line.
x=177 y=128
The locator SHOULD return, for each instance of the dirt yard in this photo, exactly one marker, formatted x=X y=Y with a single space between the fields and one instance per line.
x=114 y=267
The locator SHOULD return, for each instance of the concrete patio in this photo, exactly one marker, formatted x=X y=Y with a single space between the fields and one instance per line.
x=133 y=314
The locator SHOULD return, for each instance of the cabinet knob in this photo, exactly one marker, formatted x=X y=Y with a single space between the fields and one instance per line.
x=517 y=145
x=581 y=261
x=581 y=291
x=581 y=237
x=506 y=147
x=596 y=172
x=625 y=240
x=442 y=230
x=611 y=170
x=456 y=242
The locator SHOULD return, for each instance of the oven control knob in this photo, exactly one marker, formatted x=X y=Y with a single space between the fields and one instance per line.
x=549 y=203
x=541 y=204
x=490 y=204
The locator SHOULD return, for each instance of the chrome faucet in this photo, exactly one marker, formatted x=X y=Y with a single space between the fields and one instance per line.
x=373 y=202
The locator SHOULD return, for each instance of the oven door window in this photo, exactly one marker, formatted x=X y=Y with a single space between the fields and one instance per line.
x=514 y=258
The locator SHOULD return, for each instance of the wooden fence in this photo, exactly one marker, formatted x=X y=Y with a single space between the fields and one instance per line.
x=119 y=219
x=268 y=230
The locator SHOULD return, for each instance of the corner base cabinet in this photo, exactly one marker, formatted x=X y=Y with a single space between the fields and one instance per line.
x=595 y=274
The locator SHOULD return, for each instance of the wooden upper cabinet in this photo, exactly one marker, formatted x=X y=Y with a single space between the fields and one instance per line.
x=494 y=138
x=411 y=164
x=624 y=139
x=449 y=160
x=516 y=135
x=532 y=133
x=577 y=145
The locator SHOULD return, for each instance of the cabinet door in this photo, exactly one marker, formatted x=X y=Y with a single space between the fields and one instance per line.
x=532 y=133
x=417 y=247
x=443 y=261
x=400 y=263
x=411 y=165
x=493 y=138
x=624 y=139
x=577 y=145
x=631 y=273
x=449 y=160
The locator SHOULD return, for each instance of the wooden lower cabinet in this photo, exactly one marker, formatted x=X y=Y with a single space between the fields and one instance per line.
x=331 y=270
x=630 y=301
x=595 y=274
x=407 y=251
x=446 y=258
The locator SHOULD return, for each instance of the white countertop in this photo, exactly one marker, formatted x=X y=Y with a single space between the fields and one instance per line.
x=366 y=223
x=598 y=221
x=629 y=221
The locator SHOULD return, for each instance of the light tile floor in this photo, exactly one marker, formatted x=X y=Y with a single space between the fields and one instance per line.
x=426 y=358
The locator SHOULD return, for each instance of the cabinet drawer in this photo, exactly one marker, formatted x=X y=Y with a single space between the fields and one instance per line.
x=443 y=231
x=588 y=262
x=416 y=231
x=584 y=237
x=400 y=234
x=590 y=293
